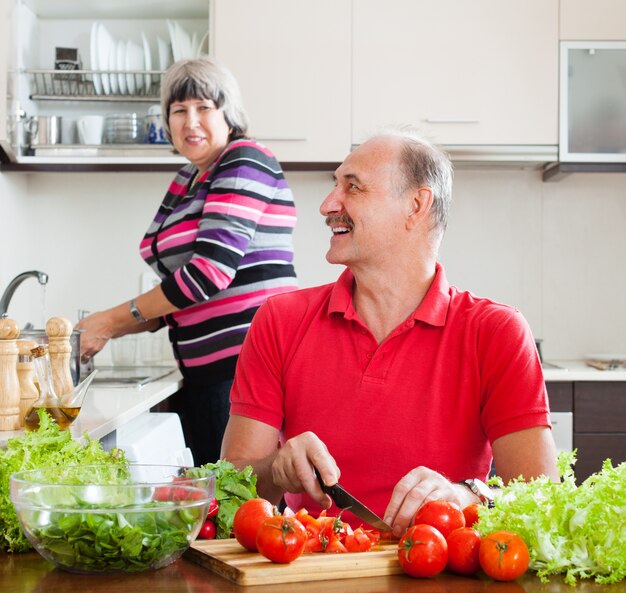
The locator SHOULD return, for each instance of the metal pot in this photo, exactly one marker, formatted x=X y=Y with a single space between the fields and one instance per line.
x=43 y=130
x=40 y=337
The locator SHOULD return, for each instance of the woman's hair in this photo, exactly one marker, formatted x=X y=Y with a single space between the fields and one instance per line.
x=204 y=78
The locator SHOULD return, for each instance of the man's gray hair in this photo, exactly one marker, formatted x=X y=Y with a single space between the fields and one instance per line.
x=204 y=78
x=424 y=164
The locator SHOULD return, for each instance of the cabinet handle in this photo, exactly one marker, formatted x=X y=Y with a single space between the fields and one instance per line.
x=455 y=120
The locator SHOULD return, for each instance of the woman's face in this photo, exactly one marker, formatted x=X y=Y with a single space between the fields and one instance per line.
x=199 y=131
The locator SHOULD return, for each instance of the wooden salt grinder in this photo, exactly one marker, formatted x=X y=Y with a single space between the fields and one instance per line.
x=59 y=330
x=9 y=382
x=26 y=377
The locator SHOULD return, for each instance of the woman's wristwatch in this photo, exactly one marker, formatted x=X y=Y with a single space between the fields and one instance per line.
x=136 y=313
x=480 y=489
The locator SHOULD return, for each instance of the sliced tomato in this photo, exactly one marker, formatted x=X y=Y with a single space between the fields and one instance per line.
x=335 y=546
x=358 y=541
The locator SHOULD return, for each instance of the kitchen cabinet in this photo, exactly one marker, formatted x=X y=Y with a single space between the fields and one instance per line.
x=601 y=20
x=599 y=420
x=34 y=87
x=466 y=73
x=599 y=424
x=293 y=67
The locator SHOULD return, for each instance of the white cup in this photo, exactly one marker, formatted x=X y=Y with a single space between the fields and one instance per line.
x=89 y=128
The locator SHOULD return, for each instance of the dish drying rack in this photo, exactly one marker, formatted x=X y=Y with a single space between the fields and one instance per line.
x=78 y=85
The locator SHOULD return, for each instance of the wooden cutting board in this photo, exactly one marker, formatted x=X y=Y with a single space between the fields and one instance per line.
x=229 y=559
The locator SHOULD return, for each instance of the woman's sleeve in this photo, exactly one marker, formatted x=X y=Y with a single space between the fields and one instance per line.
x=237 y=195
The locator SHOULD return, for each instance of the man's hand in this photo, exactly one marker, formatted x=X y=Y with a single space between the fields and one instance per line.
x=292 y=469
x=417 y=487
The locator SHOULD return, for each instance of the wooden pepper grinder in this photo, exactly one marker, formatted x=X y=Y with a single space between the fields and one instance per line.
x=9 y=382
x=26 y=377
x=59 y=330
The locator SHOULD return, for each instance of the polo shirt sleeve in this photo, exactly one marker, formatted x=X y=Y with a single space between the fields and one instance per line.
x=257 y=391
x=513 y=390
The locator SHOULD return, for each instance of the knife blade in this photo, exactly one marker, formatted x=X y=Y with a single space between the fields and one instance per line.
x=344 y=500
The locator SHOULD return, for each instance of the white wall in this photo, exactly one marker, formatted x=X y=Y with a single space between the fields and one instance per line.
x=555 y=250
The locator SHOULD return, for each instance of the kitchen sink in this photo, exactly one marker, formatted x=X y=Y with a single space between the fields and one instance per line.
x=137 y=376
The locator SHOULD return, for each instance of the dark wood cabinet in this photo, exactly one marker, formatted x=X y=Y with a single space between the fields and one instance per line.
x=599 y=420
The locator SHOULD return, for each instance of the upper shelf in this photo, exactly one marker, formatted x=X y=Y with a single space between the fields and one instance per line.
x=118 y=9
x=89 y=85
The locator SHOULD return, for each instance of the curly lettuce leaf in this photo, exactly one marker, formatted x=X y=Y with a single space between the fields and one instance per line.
x=574 y=531
x=47 y=446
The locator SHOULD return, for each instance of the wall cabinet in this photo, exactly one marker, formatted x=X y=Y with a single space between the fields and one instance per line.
x=117 y=72
x=601 y=20
x=293 y=66
x=599 y=420
x=482 y=72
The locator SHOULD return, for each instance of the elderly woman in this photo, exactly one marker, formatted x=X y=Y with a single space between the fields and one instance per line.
x=221 y=242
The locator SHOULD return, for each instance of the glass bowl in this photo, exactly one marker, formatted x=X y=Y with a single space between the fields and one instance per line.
x=112 y=518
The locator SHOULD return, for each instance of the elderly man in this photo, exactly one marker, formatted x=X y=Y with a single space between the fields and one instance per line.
x=401 y=385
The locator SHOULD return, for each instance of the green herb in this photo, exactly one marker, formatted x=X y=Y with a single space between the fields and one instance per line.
x=232 y=489
x=575 y=531
x=47 y=446
x=103 y=540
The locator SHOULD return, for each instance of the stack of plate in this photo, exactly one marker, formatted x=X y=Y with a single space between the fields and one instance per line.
x=123 y=128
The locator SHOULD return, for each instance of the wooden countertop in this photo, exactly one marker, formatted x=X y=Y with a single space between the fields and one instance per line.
x=30 y=573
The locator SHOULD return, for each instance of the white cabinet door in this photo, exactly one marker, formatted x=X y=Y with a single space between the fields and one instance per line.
x=600 y=20
x=292 y=62
x=464 y=72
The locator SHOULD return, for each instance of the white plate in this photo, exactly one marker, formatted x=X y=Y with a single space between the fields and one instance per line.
x=104 y=55
x=115 y=87
x=183 y=40
x=134 y=62
x=121 y=65
x=165 y=54
x=93 y=50
x=171 y=27
x=147 y=56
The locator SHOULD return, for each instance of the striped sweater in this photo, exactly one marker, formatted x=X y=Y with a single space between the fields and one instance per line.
x=221 y=242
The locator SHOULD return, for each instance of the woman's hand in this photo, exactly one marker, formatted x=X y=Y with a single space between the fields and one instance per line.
x=96 y=330
x=417 y=487
x=293 y=467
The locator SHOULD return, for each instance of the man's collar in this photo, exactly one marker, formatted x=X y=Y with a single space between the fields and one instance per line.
x=432 y=310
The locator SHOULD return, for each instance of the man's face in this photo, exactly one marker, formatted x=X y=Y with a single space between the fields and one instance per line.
x=364 y=211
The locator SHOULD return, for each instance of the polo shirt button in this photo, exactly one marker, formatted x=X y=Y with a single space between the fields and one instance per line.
x=370 y=355
x=364 y=332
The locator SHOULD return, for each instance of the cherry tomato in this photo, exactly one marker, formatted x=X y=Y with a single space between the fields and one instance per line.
x=470 y=512
x=281 y=539
x=248 y=518
x=503 y=555
x=214 y=507
x=443 y=515
x=422 y=551
x=463 y=546
x=207 y=531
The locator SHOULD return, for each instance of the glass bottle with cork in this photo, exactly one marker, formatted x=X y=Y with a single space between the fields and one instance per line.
x=48 y=399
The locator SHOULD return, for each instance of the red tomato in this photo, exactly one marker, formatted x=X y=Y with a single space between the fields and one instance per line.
x=248 y=518
x=422 y=551
x=281 y=539
x=334 y=546
x=443 y=515
x=470 y=512
x=358 y=541
x=207 y=531
x=504 y=556
x=214 y=507
x=463 y=546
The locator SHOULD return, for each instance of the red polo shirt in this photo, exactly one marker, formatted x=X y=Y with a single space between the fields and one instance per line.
x=460 y=372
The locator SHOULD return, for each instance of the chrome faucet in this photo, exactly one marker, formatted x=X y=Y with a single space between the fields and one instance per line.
x=42 y=277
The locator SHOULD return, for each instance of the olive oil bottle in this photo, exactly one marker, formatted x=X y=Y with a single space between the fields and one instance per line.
x=48 y=399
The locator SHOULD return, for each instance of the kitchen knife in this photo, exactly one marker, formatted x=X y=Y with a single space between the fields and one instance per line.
x=345 y=500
